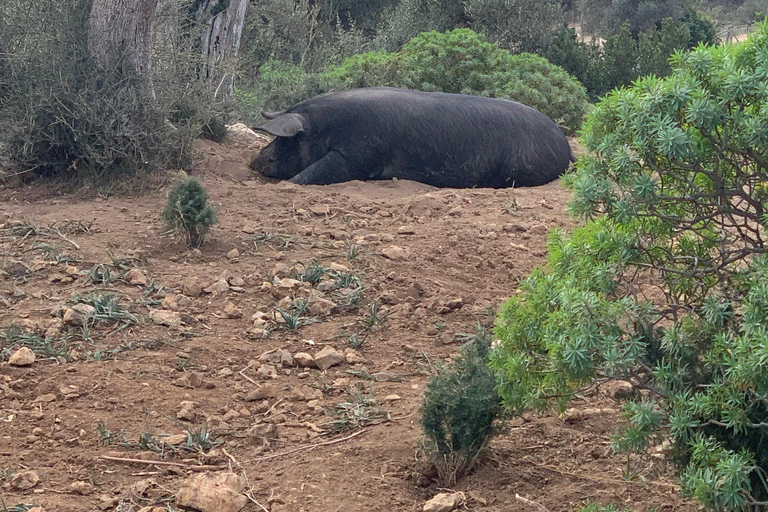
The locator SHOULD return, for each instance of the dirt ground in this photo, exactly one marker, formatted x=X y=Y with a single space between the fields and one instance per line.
x=423 y=267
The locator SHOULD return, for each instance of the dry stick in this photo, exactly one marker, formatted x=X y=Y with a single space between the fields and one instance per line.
x=161 y=463
x=247 y=377
x=537 y=506
x=308 y=447
x=273 y=406
x=65 y=238
x=601 y=480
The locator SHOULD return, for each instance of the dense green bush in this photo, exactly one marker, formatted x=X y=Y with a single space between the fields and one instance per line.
x=463 y=62
x=460 y=411
x=667 y=285
x=188 y=212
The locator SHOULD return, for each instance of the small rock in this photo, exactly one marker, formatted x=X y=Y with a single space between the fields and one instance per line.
x=236 y=281
x=392 y=398
x=262 y=393
x=286 y=359
x=217 y=288
x=405 y=230
x=22 y=357
x=234 y=253
x=25 y=480
x=619 y=389
x=81 y=488
x=162 y=317
x=572 y=416
x=136 y=276
x=328 y=357
x=187 y=411
x=226 y=372
x=263 y=432
x=170 y=303
x=455 y=303
x=267 y=371
x=304 y=360
x=212 y=492
x=47 y=398
x=395 y=253
x=514 y=228
x=321 y=209
x=189 y=380
x=443 y=502
x=249 y=227
x=353 y=356
x=232 y=311
x=176 y=439
x=321 y=307
x=191 y=287
x=339 y=267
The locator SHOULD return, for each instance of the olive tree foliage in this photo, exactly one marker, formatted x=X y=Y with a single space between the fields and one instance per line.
x=666 y=285
x=84 y=102
x=517 y=25
x=604 y=16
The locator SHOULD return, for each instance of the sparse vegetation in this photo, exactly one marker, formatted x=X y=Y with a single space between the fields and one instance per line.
x=461 y=411
x=360 y=410
x=188 y=212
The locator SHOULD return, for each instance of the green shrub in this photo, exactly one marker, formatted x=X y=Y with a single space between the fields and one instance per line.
x=666 y=286
x=188 y=212
x=460 y=411
x=372 y=69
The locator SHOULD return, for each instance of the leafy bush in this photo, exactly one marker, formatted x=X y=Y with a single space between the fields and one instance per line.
x=666 y=285
x=460 y=410
x=464 y=62
x=188 y=212
x=214 y=129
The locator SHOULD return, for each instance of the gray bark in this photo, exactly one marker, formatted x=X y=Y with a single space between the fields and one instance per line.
x=221 y=43
x=120 y=35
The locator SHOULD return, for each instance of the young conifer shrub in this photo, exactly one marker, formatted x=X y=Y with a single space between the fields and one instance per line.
x=460 y=411
x=188 y=212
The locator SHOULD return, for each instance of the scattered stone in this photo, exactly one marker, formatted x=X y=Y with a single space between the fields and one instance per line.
x=328 y=357
x=455 y=303
x=405 y=230
x=304 y=360
x=212 y=492
x=286 y=287
x=232 y=311
x=170 y=303
x=339 y=267
x=22 y=357
x=236 y=281
x=46 y=399
x=25 y=480
x=286 y=359
x=321 y=307
x=196 y=253
x=69 y=392
x=187 y=411
x=249 y=228
x=443 y=502
x=538 y=229
x=395 y=253
x=234 y=253
x=81 y=488
x=191 y=287
x=513 y=228
x=239 y=134
x=176 y=439
x=217 y=288
x=392 y=398
x=263 y=433
x=353 y=356
x=189 y=380
x=267 y=371
x=136 y=276
x=226 y=372
x=170 y=319
x=77 y=315
x=619 y=389
x=262 y=393
x=320 y=209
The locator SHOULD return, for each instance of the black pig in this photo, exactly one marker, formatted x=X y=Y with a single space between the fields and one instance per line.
x=444 y=140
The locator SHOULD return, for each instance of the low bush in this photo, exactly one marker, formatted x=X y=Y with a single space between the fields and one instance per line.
x=460 y=411
x=188 y=212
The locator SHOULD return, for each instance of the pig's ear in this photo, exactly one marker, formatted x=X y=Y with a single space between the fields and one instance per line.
x=284 y=125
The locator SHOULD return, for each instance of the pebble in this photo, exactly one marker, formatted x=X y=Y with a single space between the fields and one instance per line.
x=22 y=357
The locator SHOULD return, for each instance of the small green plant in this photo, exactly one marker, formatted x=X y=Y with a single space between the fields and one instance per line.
x=354 y=341
x=14 y=337
x=360 y=410
x=352 y=252
x=188 y=212
x=106 y=437
x=312 y=274
x=460 y=411
x=375 y=317
x=107 y=308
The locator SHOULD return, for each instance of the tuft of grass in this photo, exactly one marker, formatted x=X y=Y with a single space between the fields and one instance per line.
x=106 y=436
x=107 y=308
x=360 y=410
x=354 y=341
x=352 y=252
x=375 y=317
x=312 y=274
x=277 y=241
x=14 y=337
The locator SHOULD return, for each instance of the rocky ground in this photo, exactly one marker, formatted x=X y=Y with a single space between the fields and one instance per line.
x=281 y=366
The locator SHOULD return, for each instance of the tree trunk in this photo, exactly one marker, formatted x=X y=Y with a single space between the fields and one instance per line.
x=222 y=23
x=120 y=36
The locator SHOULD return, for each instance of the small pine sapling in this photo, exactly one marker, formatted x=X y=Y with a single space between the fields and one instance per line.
x=188 y=212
